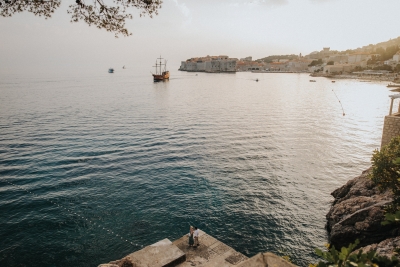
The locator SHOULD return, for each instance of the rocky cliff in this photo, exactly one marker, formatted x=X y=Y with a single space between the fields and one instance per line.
x=357 y=213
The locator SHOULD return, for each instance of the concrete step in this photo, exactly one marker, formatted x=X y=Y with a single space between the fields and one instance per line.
x=160 y=254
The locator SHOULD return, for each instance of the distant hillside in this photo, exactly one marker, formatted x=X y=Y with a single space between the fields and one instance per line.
x=270 y=59
x=379 y=48
x=385 y=49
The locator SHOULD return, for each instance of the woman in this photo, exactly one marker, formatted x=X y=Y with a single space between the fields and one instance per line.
x=191 y=239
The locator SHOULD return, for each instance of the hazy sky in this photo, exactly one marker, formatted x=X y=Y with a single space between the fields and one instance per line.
x=185 y=29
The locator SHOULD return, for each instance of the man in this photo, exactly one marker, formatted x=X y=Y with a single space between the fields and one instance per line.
x=196 y=237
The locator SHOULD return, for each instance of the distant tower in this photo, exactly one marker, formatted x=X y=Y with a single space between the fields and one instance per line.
x=300 y=56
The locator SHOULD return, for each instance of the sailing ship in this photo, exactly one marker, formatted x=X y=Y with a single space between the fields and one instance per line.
x=161 y=73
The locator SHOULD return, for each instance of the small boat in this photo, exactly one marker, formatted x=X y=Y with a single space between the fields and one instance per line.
x=110 y=70
x=312 y=81
x=161 y=74
x=124 y=67
x=256 y=80
x=333 y=81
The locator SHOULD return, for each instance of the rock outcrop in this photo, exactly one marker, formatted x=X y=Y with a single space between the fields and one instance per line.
x=357 y=213
x=387 y=248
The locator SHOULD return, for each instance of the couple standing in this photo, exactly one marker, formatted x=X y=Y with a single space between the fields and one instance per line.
x=193 y=237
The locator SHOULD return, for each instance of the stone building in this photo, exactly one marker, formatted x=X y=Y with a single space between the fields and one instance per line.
x=277 y=66
x=201 y=65
x=247 y=59
x=358 y=57
x=249 y=66
x=299 y=65
x=391 y=125
x=396 y=57
x=209 y=64
x=191 y=66
x=183 y=65
x=213 y=66
x=338 y=68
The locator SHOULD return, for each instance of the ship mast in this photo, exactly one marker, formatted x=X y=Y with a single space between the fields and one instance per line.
x=158 y=66
x=160 y=63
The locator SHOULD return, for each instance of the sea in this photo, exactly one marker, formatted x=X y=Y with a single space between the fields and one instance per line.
x=95 y=166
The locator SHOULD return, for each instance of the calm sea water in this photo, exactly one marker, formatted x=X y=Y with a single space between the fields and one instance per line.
x=251 y=163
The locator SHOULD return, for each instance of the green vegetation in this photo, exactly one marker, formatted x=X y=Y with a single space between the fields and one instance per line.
x=373 y=60
x=388 y=53
x=383 y=67
x=270 y=59
x=315 y=63
x=386 y=175
x=345 y=258
x=386 y=170
x=348 y=51
x=358 y=68
x=287 y=258
x=391 y=218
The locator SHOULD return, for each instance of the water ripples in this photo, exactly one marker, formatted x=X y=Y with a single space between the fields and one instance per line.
x=252 y=164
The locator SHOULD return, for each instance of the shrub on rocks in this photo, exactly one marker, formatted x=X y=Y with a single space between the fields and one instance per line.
x=386 y=170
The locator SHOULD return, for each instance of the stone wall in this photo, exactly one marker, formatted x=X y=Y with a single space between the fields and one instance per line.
x=391 y=129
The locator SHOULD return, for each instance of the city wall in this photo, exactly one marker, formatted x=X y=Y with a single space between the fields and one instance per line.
x=391 y=128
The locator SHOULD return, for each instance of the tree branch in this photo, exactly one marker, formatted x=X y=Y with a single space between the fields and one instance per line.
x=109 y=17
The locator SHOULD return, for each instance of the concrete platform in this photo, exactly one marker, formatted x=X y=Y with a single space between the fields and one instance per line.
x=160 y=254
x=210 y=253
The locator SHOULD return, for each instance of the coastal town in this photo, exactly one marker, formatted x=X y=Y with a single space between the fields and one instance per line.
x=375 y=61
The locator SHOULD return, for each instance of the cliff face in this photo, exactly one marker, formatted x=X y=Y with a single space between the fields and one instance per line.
x=357 y=213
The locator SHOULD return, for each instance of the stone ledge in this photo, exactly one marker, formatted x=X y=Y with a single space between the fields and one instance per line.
x=210 y=253
x=266 y=260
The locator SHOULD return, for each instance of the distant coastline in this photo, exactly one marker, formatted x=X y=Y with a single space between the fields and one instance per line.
x=365 y=77
x=374 y=62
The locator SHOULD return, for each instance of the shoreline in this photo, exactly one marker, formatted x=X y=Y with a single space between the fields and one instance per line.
x=362 y=78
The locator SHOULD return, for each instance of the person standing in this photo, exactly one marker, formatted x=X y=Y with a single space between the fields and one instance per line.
x=191 y=239
x=196 y=236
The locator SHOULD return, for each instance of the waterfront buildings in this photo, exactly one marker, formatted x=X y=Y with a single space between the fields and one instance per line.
x=249 y=65
x=299 y=65
x=326 y=61
x=338 y=68
x=210 y=64
x=358 y=57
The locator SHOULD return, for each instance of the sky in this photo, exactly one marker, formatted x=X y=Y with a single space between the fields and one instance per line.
x=185 y=29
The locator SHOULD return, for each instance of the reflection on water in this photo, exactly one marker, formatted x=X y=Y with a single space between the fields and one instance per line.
x=251 y=163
